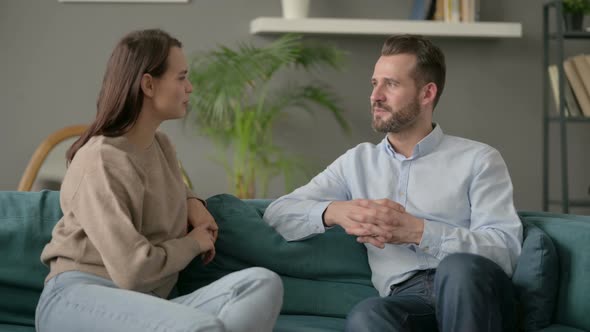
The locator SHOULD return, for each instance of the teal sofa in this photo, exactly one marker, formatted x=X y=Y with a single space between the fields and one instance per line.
x=323 y=276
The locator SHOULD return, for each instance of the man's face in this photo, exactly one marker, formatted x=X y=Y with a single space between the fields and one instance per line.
x=394 y=101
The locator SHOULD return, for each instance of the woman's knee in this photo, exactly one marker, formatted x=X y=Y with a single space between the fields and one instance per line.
x=269 y=281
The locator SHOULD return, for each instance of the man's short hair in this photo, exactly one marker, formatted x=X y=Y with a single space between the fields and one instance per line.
x=430 y=60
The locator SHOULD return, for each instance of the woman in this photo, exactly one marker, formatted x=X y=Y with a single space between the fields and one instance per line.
x=115 y=255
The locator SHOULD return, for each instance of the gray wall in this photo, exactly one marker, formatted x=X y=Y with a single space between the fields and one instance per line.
x=53 y=55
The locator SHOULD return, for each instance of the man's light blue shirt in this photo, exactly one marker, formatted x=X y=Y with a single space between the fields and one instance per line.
x=461 y=188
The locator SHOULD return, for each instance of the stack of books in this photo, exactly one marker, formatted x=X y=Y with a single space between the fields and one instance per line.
x=576 y=85
x=451 y=11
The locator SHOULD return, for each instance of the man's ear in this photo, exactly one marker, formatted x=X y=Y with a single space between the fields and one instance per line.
x=147 y=85
x=429 y=91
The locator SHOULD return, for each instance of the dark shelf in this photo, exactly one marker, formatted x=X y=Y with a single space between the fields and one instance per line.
x=556 y=118
x=550 y=3
x=572 y=203
x=554 y=42
x=571 y=35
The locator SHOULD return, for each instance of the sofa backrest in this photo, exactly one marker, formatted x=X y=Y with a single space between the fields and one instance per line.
x=26 y=222
x=324 y=275
x=571 y=236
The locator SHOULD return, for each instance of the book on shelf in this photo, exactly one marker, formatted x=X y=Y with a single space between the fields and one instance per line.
x=469 y=11
x=423 y=10
x=450 y=11
x=465 y=11
x=582 y=64
x=554 y=84
x=571 y=104
x=577 y=85
x=439 y=10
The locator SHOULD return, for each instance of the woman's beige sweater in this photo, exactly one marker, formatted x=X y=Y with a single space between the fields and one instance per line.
x=125 y=216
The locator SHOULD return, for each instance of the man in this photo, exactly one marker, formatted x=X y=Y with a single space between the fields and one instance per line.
x=434 y=211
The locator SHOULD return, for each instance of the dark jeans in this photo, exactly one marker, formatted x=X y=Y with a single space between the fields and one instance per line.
x=465 y=293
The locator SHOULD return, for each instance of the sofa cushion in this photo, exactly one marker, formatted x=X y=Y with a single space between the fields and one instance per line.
x=571 y=236
x=26 y=222
x=560 y=328
x=245 y=240
x=16 y=328
x=296 y=323
x=536 y=279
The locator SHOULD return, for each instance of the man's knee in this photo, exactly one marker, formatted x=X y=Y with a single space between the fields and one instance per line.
x=469 y=272
x=368 y=315
x=466 y=266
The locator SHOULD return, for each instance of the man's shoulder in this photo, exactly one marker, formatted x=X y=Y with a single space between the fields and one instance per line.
x=462 y=145
x=365 y=147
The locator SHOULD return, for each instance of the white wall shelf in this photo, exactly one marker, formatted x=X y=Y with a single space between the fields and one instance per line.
x=339 y=26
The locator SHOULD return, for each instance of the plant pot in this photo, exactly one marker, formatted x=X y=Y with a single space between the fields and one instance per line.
x=573 y=21
x=295 y=8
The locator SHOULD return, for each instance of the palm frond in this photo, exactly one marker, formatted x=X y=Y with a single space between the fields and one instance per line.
x=235 y=102
x=307 y=98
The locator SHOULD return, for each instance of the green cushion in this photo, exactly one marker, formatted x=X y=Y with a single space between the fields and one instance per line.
x=26 y=222
x=560 y=328
x=535 y=278
x=295 y=323
x=571 y=236
x=16 y=328
x=245 y=240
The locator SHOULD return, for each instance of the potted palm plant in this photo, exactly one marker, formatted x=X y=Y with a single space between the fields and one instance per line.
x=573 y=13
x=236 y=103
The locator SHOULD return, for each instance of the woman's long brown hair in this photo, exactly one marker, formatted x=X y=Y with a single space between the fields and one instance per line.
x=121 y=98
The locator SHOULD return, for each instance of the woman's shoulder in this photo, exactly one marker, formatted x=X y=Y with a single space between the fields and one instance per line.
x=166 y=145
x=103 y=154
x=103 y=149
x=101 y=161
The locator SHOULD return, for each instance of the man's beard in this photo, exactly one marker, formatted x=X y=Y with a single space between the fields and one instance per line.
x=399 y=120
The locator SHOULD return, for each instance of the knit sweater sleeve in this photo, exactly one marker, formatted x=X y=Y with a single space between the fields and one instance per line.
x=108 y=204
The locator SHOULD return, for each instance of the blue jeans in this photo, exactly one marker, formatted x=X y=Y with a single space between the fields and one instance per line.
x=465 y=293
x=247 y=300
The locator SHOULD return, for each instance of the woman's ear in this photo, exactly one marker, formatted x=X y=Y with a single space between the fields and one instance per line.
x=147 y=85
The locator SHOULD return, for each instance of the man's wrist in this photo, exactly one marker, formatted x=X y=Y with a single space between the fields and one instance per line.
x=419 y=231
x=324 y=219
x=327 y=221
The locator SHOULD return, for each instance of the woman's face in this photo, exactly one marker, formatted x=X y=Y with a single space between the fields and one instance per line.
x=172 y=89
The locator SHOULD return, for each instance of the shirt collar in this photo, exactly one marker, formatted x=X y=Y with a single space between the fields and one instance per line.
x=424 y=147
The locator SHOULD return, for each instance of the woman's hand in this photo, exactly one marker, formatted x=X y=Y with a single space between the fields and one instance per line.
x=200 y=218
x=206 y=242
x=199 y=215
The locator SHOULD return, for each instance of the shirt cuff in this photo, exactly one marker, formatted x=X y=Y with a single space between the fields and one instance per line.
x=432 y=237
x=315 y=216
